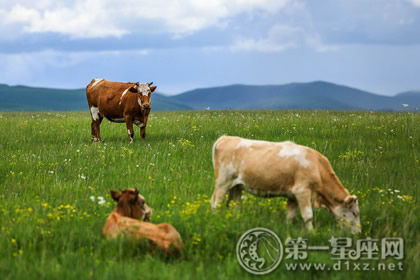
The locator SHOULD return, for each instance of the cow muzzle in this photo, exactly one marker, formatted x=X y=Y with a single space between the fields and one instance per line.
x=147 y=106
x=147 y=213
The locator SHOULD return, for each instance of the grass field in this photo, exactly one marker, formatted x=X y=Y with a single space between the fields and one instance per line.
x=50 y=227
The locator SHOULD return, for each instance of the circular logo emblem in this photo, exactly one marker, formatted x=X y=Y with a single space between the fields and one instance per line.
x=259 y=251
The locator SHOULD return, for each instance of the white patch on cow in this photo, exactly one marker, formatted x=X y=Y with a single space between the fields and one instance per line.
x=139 y=100
x=144 y=89
x=238 y=180
x=290 y=149
x=129 y=132
x=337 y=211
x=247 y=143
x=96 y=81
x=125 y=91
x=94 y=111
x=244 y=143
x=226 y=173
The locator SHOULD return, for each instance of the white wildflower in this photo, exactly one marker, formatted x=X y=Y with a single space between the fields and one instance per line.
x=101 y=200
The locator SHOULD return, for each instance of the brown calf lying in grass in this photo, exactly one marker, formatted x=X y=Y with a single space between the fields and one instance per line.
x=123 y=221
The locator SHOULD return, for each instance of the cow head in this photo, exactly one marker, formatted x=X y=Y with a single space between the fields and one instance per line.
x=347 y=213
x=131 y=204
x=144 y=91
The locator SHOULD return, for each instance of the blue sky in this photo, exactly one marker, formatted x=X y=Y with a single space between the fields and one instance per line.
x=184 y=44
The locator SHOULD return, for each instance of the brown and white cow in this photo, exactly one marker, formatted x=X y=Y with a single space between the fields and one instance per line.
x=119 y=102
x=271 y=169
x=124 y=221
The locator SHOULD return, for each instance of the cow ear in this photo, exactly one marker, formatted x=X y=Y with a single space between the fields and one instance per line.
x=149 y=84
x=134 y=197
x=152 y=89
x=350 y=200
x=115 y=195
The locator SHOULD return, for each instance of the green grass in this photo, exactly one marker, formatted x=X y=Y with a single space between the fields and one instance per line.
x=50 y=228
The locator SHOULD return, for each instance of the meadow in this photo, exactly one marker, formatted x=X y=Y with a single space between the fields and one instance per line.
x=54 y=191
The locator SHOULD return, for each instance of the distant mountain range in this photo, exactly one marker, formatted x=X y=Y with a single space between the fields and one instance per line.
x=317 y=95
x=23 y=98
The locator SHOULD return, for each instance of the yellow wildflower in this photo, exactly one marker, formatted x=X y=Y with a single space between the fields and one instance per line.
x=407 y=197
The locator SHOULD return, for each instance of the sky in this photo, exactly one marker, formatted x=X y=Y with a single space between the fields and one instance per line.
x=180 y=45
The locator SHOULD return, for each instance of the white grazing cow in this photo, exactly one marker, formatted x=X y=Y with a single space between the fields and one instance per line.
x=271 y=169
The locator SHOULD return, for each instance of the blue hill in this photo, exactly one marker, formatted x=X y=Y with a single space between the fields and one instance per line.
x=317 y=95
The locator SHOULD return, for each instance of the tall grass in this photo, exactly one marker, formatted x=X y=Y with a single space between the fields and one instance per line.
x=50 y=173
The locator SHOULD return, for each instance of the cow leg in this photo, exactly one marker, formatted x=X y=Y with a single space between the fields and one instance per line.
x=142 y=127
x=234 y=194
x=221 y=187
x=291 y=209
x=98 y=130
x=303 y=198
x=225 y=181
x=130 y=130
x=93 y=128
x=218 y=195
x=143 y=132
x=96 y=123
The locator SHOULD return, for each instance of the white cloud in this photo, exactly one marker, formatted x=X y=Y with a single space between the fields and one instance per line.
x=415 y=3
x=77 y=20
x=282 y=37
x=102 y=18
